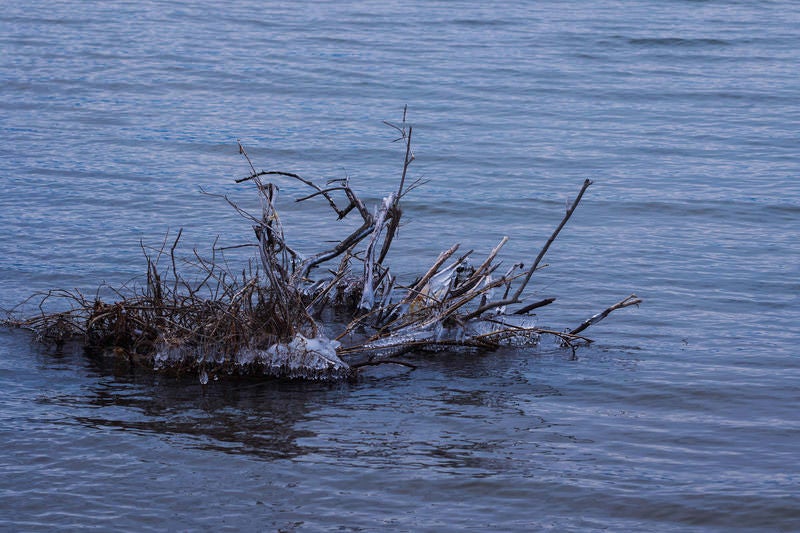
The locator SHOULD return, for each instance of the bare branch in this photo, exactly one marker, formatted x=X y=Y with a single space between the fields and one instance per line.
x=630 y=300
x=552 y=238
x=535 y=305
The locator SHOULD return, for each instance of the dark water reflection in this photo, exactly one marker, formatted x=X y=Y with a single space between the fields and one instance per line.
x=499 y=440
x=285 y=420
x=232 y=416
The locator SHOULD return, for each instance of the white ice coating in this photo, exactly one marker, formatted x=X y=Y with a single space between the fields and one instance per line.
x=168 y=353
x=302 y=357
x=367 y=297
x=507 y=330
x=368 y=294
x=439 y=284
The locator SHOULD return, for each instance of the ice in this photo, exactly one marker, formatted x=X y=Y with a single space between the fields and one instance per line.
x=302 y=357
x=505 y=330
x=440 y=283
x=167 y=354
x=508 y=330
x=367 y=297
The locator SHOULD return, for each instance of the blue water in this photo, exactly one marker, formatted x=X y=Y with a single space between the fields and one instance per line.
x=686 y=114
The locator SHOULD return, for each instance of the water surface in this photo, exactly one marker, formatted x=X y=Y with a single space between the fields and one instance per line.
x=682 y=416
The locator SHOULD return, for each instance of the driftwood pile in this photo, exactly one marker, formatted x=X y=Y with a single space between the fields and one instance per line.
x=265 y=319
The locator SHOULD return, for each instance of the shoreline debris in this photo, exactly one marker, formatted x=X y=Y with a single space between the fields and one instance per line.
x=264 y=320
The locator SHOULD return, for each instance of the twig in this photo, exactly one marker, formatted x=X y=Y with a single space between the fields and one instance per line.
x=630 y=300
x=515 y=297
x=535 y=305
x=552 y=238
x=362 y=364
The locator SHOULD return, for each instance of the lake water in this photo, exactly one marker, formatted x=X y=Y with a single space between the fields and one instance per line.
x=685 y=413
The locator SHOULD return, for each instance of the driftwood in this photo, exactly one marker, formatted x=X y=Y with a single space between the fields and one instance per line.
x=265 y=319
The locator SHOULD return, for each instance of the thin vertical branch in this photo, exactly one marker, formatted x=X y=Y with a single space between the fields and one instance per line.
x=515 y=297
x=552 y=238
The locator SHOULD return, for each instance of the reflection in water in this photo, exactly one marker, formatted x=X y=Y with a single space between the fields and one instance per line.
x=237 y=416
x=432 y=417
x=515 y=431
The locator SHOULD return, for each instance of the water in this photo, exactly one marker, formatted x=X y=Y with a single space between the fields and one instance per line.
x=683 y=415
